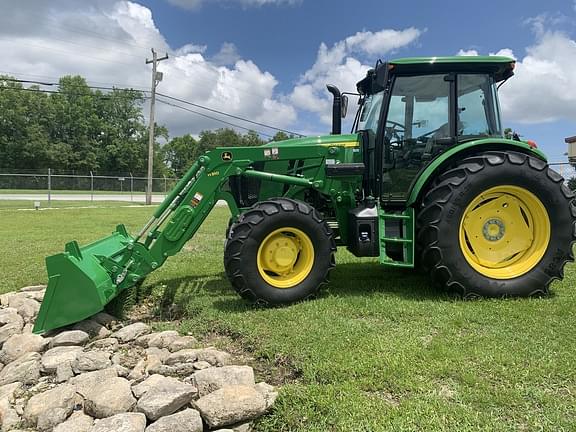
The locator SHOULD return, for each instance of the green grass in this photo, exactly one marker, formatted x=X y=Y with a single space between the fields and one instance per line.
x=379 y=350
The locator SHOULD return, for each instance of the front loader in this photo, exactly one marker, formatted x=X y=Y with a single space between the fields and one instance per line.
x=426 y=180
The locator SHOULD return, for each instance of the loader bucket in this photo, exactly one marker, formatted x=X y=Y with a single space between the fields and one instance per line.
x=78 y=285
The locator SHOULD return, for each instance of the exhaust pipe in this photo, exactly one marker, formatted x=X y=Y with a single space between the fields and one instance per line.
x=336 y=109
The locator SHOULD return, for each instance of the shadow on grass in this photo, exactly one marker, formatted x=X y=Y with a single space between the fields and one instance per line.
x=346 y=280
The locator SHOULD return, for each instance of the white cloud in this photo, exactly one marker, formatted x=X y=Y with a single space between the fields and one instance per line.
x=109 y=42
x=195 y=4
x=470 y=52
x=227 y=55
x=343 y=65
x=541 y=90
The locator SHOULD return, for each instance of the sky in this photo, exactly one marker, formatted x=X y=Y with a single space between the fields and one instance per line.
x=269 y=60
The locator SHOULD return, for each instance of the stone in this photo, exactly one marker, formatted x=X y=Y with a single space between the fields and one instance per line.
x=139 y=371
x=210 y=355
x=163 y=339
x=230 y=405
x=143 y=340
x=58 y=355
x=70 y=337
x=87 y=381
x=91 y=361
x=9 y=315
x=5 y=298
x=148 y=384
x=109 y=398
x=268 y=392
x=183 y=342
x=29 y=328
x=162 y=370
x=8 y=391
x=61 y=397
x=36 y=295
x=64 y=372
x=77 y=422
x=126 y=422
x=11 y=328
x=128 y=356
x=9 y=417
x=93 y=328
x=19 y=344
x=131 y=332
x=188 y=420
x=108 y=344
x=161 y=353
x=104 y=318
x=242 y=427
x=212 y=379
x=201 y=365
x=160 y=402
x=121 y=370
x=25 y=369
x=155 y=358
x=33 y=288
x=49 y=419
x=26 y=307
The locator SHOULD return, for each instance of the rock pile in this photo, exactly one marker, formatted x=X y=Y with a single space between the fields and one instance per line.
x=101 y=376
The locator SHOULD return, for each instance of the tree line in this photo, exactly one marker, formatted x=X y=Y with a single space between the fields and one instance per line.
x=82 y=129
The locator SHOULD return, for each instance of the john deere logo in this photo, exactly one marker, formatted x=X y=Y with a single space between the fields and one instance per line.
x=226 y=156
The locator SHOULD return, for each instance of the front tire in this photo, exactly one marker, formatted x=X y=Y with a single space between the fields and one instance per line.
x=279 y=252
x=497 y=224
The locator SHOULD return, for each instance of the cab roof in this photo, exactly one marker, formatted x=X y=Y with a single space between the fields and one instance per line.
x=500 y=66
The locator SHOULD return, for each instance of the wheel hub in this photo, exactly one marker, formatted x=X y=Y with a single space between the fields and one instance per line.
x=493 y=229
x=285 y=257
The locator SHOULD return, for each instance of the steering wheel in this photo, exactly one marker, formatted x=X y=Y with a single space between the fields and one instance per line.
x=394 y=131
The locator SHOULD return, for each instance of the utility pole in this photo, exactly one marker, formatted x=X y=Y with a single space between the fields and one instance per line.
x=156 y=78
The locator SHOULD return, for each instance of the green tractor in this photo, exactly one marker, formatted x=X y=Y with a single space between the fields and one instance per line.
x=426 y=180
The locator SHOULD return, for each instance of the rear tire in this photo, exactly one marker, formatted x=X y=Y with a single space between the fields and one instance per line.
x=279 y=252
x=497 y=224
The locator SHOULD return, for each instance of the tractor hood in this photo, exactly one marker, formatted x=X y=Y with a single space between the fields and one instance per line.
x=318 y=140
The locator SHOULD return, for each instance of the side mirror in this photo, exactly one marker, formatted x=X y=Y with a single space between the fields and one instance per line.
x=344 y=109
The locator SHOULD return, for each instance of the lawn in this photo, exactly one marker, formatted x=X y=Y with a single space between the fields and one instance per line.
x=379 y=350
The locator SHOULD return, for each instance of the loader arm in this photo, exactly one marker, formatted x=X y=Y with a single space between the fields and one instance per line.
x=83 y=280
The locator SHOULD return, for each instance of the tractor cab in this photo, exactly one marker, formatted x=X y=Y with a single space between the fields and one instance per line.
x=412 y=110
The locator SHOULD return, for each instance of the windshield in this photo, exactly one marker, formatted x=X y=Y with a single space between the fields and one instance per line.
x=371 y=112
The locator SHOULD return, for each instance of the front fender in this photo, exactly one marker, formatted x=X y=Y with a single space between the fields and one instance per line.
x=462 y=150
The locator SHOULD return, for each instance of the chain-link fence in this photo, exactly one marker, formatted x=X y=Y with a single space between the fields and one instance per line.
x=566 y=170
x=51 y=182
x=131 y=186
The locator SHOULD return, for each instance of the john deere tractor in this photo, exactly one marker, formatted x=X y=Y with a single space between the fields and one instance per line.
x=426 y=180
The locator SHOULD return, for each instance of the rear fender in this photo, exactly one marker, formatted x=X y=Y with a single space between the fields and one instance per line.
x=459 y=152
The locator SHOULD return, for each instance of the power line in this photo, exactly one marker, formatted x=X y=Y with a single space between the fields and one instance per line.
x=181 y=101
x=212 y=118
x=229 y=115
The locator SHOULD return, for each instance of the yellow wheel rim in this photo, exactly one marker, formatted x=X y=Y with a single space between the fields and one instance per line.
x=504 y=232
x=285 y=257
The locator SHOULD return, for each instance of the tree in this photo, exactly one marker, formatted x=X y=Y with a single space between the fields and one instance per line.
x=282 y=136
x=179 y=153
x=76 y=128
